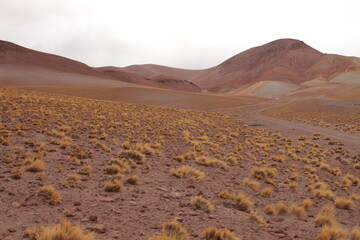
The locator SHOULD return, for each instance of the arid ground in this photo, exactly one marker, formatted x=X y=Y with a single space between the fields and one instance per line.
x=86 y=154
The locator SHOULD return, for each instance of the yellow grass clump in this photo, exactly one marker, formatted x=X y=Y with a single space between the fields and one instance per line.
x=49 y=194
x=331 y=233
x=344 y=203
x=172 y=231
x=214 y=233
x=61 y=231
x=184 y=171
x=202 y=203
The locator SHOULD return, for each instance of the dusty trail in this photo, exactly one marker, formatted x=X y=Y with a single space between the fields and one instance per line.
x=255 y=117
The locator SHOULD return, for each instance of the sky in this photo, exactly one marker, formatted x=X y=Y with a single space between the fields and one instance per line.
x=192 y=34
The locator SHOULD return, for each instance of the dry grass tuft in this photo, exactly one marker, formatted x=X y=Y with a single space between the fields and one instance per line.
x=202 y=203
x=36 y=166
x=17 y=173
x=49 y=194
x=253 y=184
x=113 y=186
x=267 y=192
x=133 y=180
x=86 y=170
x=263 y=172
x=73 y=180
x=307 y=204
x=355 y=234
x=344 y=203
x=134 y=155
x=331 y=233
x=257 y=218
x=62 y=231
x=172 y=231
x=206 y=161
x=214 y=233
x=326 y=217
x=186 y=170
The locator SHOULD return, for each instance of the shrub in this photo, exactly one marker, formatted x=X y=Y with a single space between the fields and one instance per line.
x=202 y=203
x=331 y=233
x=206 y=161
x=186 y=170
x=253 y=184
x=267 y=192
x=355 y=234
x=242 y=202
x=326 y=217
x=36 y=166
x=86 y=170
x=113 y=169
x=269 y=210
x=281 y=208
x=49 y=194
x=17 y=174
x=134 y=155
x=73 y=180
x=344 y=203
x=260 y=220
x=214 y=233
x=172 y=231
x=113 y=186
x=263 y=172
x=307 y=204
x=62 y=231
x=134 y=180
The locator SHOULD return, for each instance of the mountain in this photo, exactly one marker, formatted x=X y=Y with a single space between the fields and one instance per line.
x=152 y=79
x=280 y=66
x=23 y=66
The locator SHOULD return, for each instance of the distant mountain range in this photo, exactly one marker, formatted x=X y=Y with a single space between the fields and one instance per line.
x=276 y=68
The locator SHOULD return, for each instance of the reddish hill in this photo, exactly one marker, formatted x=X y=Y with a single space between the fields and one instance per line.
x=13 y=54
x=285 y=60
x=23 y=66
x=150 y=79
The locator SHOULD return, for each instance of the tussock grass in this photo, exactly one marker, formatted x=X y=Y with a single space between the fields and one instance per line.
x=172 y=231
x=344 y=203
x=114 y=186
x=184 y=171
x=49 y=194
x=202 y=203
x=214 y=233
x=331 y=233
x=62 y=231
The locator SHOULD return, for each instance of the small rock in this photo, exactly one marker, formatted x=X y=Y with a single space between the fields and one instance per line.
x=99 y=228
x=77 y=203
x=11 y=230
x=161 y=189
x=93 y=218
x=175 y=195
x=69 y=213
x=16 y=204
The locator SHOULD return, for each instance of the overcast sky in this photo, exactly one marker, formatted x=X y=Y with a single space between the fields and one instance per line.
x=191 y=34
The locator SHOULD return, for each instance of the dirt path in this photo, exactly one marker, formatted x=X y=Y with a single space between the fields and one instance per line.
x=255 y=117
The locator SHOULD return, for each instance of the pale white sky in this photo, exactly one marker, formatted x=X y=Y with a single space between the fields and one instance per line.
x=179 y=33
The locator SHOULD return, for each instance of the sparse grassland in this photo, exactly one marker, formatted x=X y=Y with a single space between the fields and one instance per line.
x=139 y=165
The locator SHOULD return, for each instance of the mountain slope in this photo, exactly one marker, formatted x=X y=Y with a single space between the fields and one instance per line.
x=152 y=79
x=286 y=61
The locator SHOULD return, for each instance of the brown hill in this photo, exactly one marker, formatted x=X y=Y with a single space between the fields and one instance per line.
x=287 y=61
x=13 y=54
x=152 y=79
x=23 y=66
